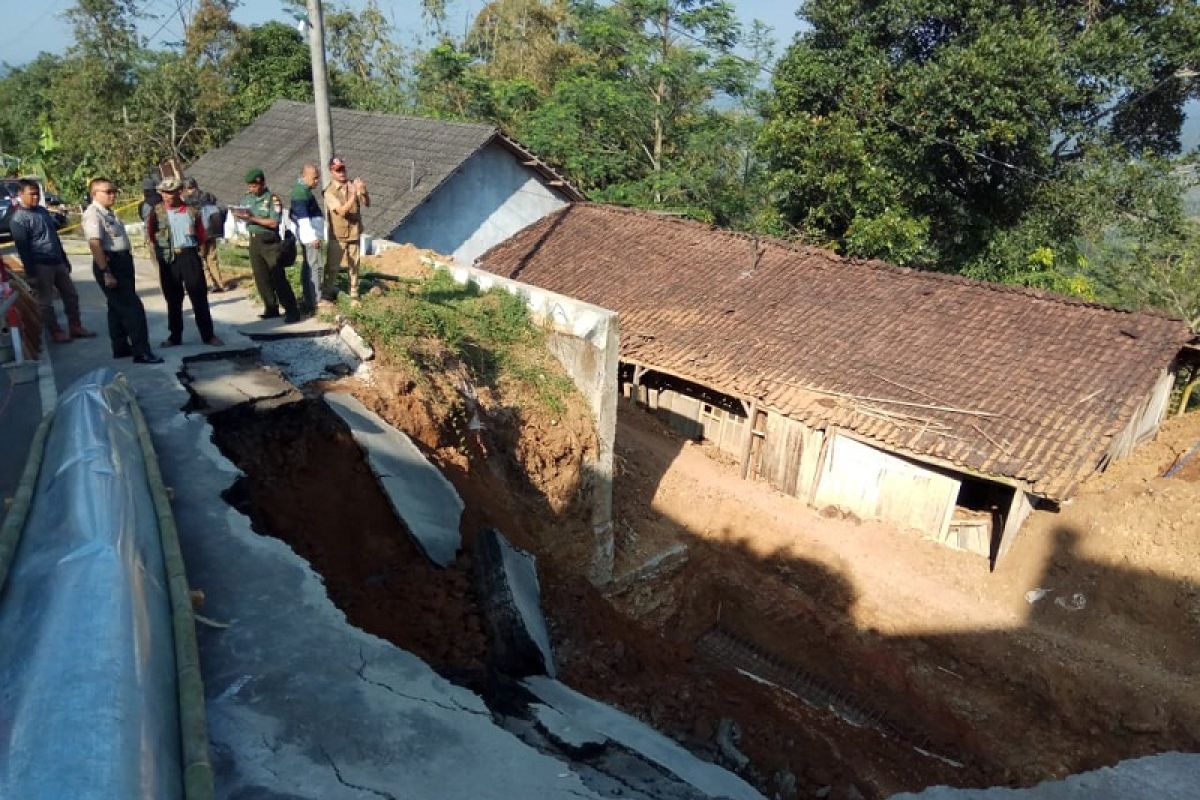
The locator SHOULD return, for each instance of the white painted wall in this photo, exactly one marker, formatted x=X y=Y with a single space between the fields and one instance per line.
x=491 y=197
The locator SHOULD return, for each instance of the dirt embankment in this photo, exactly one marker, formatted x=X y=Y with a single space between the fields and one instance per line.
x=919 y=666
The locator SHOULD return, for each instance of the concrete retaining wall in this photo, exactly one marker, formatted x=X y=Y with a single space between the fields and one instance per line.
x=585 y=339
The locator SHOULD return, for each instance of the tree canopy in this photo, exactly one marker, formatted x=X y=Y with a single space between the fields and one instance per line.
x=1035 y=143
x=980 y=136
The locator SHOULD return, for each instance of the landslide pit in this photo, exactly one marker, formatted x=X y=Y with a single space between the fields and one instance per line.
x=815 y=657
x=777 y=644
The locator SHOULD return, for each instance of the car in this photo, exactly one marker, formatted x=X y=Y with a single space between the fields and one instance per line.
x=10 y=190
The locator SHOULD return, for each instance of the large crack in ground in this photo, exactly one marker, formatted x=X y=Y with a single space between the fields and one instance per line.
x=306 y=481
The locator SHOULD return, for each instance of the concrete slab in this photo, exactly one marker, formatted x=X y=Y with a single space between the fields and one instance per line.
x=511 y=601
x=419 y=494
x=1172 y=776
x=565 y=732
x=590 y=714
x=356 y=343
x=264 y=330
x=221 y=383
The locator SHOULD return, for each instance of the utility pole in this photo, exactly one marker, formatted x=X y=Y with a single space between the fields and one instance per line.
x=320 y=79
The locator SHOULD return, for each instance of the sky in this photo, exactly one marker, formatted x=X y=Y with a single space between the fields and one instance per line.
x=32 y=27
x=39 y=26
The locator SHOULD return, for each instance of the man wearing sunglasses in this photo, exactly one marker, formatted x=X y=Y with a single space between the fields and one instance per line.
x=112 y=265
x=344 y=201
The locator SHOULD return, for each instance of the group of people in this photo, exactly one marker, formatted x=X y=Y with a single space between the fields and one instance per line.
x=182 y=226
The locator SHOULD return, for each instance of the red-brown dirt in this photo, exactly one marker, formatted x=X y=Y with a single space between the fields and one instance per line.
x=932 y=649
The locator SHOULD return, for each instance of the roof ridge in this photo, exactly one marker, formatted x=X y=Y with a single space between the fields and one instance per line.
x=447 y=122
x=878 y=264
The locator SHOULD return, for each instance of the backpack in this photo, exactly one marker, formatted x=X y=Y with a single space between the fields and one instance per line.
x=214 y=220
x=287 y=246
x=287 y=249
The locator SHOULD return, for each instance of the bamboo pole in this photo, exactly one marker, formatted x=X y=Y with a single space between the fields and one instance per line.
x=14 y=521
x=193 y=725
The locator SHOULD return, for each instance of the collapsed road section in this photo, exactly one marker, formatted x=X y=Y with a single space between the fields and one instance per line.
x=320 y=474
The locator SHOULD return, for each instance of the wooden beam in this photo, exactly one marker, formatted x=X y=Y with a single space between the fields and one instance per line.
x=1018 y=511
x=748 y=437
x=639 y=372
x=826 y=443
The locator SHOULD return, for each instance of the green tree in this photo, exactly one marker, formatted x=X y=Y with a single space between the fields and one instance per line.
x=636 y=122
x=368 y=69
x=946 y=134
x=270 y=62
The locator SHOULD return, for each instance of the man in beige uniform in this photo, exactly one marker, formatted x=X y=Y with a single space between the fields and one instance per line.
x=344 y=201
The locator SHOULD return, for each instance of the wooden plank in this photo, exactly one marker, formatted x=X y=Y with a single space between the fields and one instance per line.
x=1018 y=511
x=748 y=437
x=873 y=484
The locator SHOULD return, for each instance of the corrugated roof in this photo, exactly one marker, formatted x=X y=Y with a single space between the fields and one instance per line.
x=1008 y=382
x=403 y=159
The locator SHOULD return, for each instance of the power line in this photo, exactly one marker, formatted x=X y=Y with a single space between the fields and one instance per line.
x=167 y=19
x=38 y=20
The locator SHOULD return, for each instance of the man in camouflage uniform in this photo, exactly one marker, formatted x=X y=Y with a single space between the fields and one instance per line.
x=261 y=211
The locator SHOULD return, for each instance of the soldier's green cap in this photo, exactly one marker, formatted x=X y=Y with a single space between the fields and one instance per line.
x=255 y=174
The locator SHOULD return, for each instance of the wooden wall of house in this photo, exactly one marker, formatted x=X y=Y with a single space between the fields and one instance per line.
x=1145 y=422
x=789 y=456
x=825 y=469
x=872 y=484
x=697 y=419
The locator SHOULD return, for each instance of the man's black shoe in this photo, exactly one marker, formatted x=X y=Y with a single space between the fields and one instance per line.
x=292 y=317
x=148 y=358
x=269 y=315
x=125 y=353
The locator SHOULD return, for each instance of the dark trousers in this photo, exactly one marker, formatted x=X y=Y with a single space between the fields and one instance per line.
x=126 y=316
x=185 y=275
x=46 y=278
x=269 y=276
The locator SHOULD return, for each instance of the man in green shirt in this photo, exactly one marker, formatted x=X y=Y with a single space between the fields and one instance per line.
x=261 y=211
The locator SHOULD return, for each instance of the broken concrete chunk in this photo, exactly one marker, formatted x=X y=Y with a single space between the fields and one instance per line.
x=420 y=495
x=218 y=383
x=728 y=736
x=356 y=343
x=511 y=600
x=639 y=738
x=575 y=739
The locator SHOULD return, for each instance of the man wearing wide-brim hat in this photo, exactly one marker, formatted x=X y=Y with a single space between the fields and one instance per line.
x=261 y=211
x=176 y=235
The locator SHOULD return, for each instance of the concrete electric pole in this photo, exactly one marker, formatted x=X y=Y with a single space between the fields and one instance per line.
x=320 y=79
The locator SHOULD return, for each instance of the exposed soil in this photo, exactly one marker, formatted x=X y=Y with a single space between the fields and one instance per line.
x=308 y=485
x=403 y=261
x=948 y=674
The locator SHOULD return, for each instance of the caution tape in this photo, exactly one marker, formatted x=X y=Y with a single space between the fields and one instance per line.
x=117 y=210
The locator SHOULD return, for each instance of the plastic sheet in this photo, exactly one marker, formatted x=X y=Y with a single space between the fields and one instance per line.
x=88 y=704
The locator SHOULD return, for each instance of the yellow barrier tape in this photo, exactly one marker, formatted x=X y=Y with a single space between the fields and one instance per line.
x=117 y=210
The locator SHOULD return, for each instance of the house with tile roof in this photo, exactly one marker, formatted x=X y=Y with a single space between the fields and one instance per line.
x=454 y=187
x=934 y=402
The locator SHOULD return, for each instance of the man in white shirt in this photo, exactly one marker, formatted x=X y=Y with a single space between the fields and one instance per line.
x=309 y=223
x=112 y=265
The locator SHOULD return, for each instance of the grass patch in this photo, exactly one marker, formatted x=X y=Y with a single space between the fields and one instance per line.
x=419 y=322
x=235 y=265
